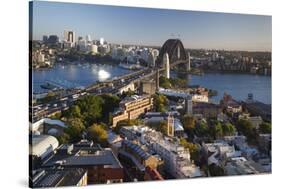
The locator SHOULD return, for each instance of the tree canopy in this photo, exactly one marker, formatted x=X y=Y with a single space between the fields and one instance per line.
x=228 y=129
x=160 y=103
x=247 y=129
x=265 y=128
x=164 y=82
x=202 y=129
x=93 y=109
x=193 y=148
x=188 y=122
x=98 y=134
x=74 y=130
x=172 y=82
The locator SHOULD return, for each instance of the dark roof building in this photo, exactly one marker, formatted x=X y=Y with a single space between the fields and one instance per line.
x=59 y=177
x=257 y=108
x=101 y=164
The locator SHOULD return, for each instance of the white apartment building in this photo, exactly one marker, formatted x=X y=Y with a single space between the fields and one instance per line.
x=219 y=151
x=176 y=158
x=200 y=98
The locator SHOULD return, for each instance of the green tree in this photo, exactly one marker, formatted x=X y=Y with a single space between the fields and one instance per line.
x=98 y=134
x=91 y=109
x=245 y=127
x=75 y=129
x=56 y=116
x=160 y=103
x=127 y=93
x=218 y=130
x=110 y=102
x=265 y=128
x=178 y=82
x=202 y=129
x=162 y=127
x=64 y=138
x=73 y=112
x=188 y=122
x=228 y=129
x=164 y=82
x=193 y=149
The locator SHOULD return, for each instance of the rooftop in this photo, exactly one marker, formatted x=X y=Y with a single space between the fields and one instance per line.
x=137 y=149
x=42 y=145
x=171 y=92
x=35 y=126
x=241 y=166
x=82 y=156
x=133 y=98
x=53 y=177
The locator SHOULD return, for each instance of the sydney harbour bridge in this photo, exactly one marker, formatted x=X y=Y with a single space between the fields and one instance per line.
x=171 y=54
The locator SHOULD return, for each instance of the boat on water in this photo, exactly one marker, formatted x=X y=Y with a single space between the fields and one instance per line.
x=48 y=86
x=130 y=66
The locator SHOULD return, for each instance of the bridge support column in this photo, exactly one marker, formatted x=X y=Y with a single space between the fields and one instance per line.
x=188 y=62
x=166 y=63
x=157 y=80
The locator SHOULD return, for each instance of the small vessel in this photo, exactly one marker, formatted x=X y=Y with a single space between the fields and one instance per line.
x=130 y=66
x=48 y=86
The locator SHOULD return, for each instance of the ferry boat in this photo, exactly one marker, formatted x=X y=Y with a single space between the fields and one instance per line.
x=130 y=66
x=48 y=86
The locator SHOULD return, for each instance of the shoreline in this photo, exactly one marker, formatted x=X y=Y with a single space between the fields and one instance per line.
x=234 y=72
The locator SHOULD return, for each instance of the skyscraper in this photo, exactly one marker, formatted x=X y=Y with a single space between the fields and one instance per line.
x=45 y=38
x=101 y=41
x=88 y=38
x=151 y=59
x=69 y=36
x=53 y=39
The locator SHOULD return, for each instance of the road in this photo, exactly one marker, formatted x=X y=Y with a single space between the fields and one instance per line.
x=40 y=111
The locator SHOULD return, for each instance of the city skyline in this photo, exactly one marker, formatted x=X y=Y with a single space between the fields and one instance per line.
x=146 y=26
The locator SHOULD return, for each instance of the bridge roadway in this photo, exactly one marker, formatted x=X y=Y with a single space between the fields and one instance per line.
x=40 y=111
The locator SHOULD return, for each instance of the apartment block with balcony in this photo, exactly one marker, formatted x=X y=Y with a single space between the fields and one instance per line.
x=132 y=107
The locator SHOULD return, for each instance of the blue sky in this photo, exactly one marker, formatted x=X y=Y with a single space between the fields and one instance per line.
x=129 y=25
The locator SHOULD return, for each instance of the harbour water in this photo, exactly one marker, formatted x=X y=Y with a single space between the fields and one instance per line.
x=76 y=75
x=82 y=75
x=237 y=85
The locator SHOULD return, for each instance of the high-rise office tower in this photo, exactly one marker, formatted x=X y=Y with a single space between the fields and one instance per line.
x=101 y=41
x=45 y=38
x=88 y=38
x=69 y=36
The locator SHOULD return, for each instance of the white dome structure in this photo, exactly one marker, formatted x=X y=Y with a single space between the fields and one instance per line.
x=43 y=145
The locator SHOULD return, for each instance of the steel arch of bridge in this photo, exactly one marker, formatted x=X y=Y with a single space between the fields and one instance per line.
x=170 y=47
